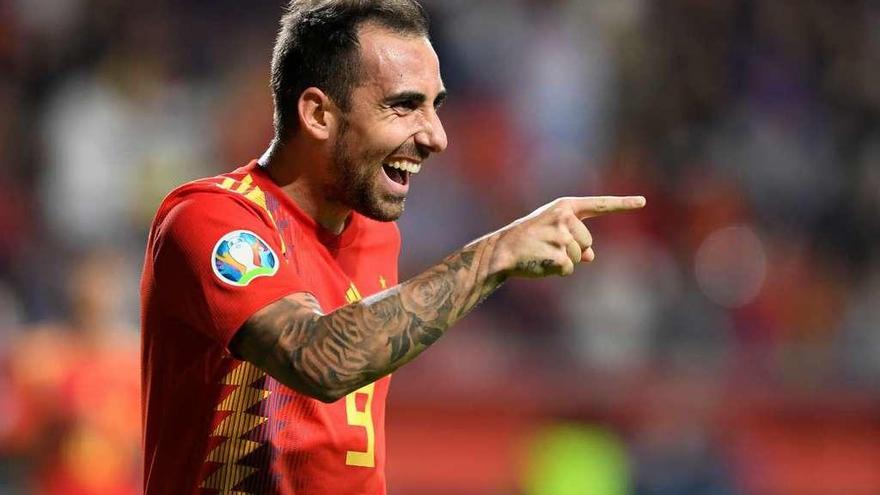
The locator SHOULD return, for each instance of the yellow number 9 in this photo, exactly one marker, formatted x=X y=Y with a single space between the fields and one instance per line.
x=363 y=419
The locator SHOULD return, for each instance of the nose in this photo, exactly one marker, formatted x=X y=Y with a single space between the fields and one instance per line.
x=432 y=136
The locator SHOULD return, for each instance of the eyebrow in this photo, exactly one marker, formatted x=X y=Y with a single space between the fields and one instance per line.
x=415 y=97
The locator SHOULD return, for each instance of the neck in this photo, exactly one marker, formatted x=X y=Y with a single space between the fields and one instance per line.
x=297 y=171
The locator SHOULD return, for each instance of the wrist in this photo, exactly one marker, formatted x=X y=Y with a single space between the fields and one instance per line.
x=501 y=264
x=501 y=261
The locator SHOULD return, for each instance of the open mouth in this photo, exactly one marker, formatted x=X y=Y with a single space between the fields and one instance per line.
x=399 y=171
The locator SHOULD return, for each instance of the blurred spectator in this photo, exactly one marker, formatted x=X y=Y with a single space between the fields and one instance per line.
x=612 y=313
x=118 y=140
x=76 y=416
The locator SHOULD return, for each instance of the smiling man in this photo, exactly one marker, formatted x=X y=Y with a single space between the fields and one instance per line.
x=272 y=315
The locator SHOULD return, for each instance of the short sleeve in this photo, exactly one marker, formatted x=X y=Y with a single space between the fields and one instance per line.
x=218 y=259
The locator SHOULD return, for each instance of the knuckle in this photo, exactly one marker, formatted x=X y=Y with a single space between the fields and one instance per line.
x=563 y=218
x=565 y=234
x=558 y=212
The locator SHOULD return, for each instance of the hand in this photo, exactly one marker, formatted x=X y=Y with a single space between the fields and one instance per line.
x=553 y=238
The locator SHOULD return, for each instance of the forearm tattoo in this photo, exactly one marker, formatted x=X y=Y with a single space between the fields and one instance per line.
x=356 y=344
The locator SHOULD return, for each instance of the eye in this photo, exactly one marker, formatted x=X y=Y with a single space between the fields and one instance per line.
x=406 y=106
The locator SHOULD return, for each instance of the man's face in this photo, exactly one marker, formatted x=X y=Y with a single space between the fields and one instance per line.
x=392 y=125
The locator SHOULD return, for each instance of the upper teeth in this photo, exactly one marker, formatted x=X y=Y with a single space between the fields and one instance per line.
x=410 y=167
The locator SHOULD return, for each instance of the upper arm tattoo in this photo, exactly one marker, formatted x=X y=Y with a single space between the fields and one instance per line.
x=330 y=355
x=285 y=324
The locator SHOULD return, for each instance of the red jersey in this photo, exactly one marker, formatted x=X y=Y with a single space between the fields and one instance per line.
x=219 y=250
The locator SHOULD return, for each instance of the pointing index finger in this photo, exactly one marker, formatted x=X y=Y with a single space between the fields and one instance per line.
x=594 y=206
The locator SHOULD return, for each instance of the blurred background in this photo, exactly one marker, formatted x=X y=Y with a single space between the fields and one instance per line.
x=726 y=341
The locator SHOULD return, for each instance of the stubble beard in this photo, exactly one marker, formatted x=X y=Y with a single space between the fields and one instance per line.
x=354 y=183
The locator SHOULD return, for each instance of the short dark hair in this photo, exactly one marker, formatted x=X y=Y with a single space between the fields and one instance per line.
x=317 y=46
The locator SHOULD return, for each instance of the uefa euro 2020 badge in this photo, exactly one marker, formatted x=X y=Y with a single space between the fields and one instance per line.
x=241 y=256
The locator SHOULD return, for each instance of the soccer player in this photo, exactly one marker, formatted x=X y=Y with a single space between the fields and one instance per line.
x=272 y=314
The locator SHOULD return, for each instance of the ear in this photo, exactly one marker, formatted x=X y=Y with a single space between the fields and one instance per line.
x=316 y=113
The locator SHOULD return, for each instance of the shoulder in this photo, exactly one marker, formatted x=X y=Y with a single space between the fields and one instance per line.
x=222 y=198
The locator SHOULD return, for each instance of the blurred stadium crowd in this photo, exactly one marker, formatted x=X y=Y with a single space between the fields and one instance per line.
x=727 y=340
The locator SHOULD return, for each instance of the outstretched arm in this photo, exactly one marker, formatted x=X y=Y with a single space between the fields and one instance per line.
x=329 y=356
